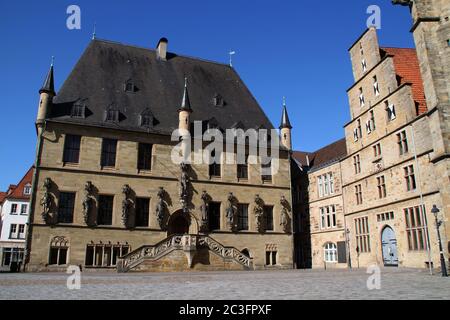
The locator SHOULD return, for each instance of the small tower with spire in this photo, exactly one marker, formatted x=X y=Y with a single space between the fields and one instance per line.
x=285 y=128
x=185 y=110
x=47 y=92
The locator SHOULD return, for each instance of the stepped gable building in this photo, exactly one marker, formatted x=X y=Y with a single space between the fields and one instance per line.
x=106 y=192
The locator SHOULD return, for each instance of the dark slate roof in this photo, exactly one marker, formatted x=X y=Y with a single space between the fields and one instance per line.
x=285 y=123
x=98 y=81
x=49 y=83
x=322 y=157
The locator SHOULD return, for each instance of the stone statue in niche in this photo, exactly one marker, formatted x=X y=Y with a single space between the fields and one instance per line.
x=46 y=200
x=126 y=205
x=160 y=208
x=88 y=202
x=204 y=210
x=230 y=212
x=284 y=216
x=259 y=213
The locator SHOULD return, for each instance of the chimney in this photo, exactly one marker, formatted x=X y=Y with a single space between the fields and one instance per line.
x=161 y=49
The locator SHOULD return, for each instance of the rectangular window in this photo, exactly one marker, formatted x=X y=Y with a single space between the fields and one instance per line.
x=72 y=149
x=381 y=187
x=357 y=164
x=242 y=216
x=104 y=255
x=12 y=255
x=326 y=184
x=145 y=156
x=377 y=150
x=266 y=171
x=358 y=194
x=328 y=217
x=66 y=207
x=362 y=234
x=14 y=208
x=142 y=212
x=109 y=149
x=271 y=258
x=242 y=169
x=215 y=169
x=376 y=88
x=58 y=256
x=364 y=65
x=320 y=186
x=21 y=231
x=361 y=98
x=359 y=129
x=402 y=142
x=415 y=228
x=214 y=215
x=13 y=231
x=105 y=210
x=390 y=111
x=410 y=178
x=23 y=209
x=268 y=214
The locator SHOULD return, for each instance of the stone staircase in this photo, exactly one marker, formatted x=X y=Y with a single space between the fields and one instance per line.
x=189 y=244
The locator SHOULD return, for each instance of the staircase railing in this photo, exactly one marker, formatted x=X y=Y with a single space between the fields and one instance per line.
x=180 y=242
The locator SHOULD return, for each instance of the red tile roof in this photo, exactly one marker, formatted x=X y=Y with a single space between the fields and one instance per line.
x=17 y=192
x=407 y=67
x=2 y=196
x=320 y=158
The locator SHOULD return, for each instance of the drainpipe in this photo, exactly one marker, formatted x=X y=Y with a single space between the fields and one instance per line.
x=422 y=211
x=346 y=234
x=33 y=196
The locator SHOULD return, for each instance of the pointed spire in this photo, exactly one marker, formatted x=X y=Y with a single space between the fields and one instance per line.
x=285 y=123
x=49 y=83
x=185 y=103
x=94 y=34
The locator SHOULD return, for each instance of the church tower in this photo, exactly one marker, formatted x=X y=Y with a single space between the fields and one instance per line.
x=285 y=128
x=185 y=110
x=47 y=92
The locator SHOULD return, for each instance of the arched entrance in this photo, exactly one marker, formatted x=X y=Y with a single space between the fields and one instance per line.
x=389 y=247
x=179 y=223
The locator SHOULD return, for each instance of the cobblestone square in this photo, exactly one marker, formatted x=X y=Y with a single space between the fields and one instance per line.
x=259 y=285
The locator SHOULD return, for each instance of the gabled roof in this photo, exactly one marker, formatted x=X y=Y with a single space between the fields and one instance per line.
x=322 y=157
x=2 y=197
x=17 y=192
x=104 y=67
x=407 y=68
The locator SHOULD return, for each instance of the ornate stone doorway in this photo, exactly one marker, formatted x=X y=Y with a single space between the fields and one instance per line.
x=179 y=223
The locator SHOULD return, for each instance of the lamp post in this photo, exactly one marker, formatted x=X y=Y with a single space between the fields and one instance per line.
x=435 y=211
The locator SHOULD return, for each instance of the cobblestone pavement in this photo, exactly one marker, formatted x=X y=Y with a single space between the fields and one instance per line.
x=291 y=284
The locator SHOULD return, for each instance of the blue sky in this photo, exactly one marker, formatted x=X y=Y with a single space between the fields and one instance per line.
x=296 y=49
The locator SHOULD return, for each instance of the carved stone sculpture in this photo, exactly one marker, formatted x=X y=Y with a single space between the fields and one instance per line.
x=184 y=180
x=126 y=205
x=204 y=211
x=88 y=202
x=160 y=208
x=284 y=216
x=259 y=213
x=46 y=200
x=230 y=211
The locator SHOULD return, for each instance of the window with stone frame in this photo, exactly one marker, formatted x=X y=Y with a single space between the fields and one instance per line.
x=66 y=207
x=358 y=194
x=268 y=215
x=357 y=163
x=109 y=150
x=242 y=215
x=390 y=111
x=381 y=184
x=214 y=216
x=410 y=178
x=328 y=217
x=330 y=252
x=271 y=255
x=242 y=169
x=376 y=87
x=215 y=168
x=370 y=124
x=266 y=170
x=364 y=65
x=59 y=249
x=402 y=142
x=72 y=149
x=415 y=228
x=142 y=212
x=377 y=150
x=362 y=100
x=105 y=255
x=105 y=210
x=145 y=156
x=362 y=234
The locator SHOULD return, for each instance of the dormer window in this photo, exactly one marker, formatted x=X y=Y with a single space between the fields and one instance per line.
x=146 y=119
x=78 y=110
x=364 y=65
x=218 y=101
x=361 y=98
x=27 y=190
x=112 y=115
x=129 y=86
x=376 y=88
x=213 y=124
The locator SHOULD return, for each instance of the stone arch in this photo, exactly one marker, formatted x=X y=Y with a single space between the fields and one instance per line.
x=182 y=222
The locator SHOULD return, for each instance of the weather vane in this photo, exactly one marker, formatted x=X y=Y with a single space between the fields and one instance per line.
x=94 y=33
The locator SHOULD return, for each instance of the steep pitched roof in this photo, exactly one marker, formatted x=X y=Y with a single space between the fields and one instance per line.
x=322 y=157
x=407 y=67
x=49 y=83
x=104 y=68
x=2 y=196
x=17 y=192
